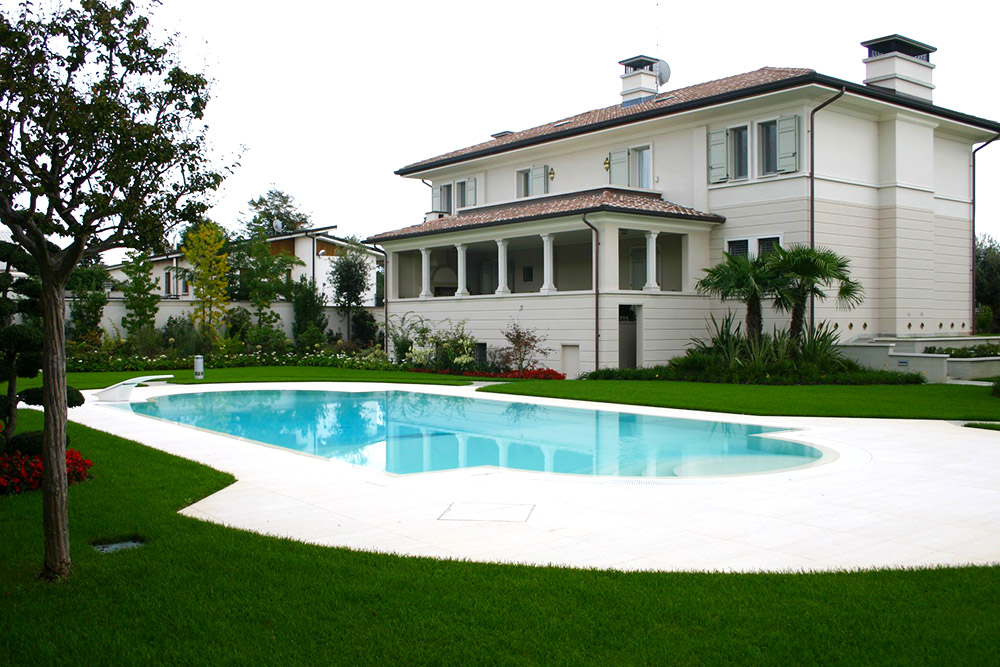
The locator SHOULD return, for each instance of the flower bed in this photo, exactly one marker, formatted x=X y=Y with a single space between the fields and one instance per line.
x=532 y=374
x=971 y=352
x=20 y=472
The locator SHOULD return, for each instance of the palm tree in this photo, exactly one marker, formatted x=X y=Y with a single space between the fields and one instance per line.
x=748 y=280
x=804 y=272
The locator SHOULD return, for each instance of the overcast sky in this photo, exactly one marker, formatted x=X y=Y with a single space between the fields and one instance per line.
x=327 y=99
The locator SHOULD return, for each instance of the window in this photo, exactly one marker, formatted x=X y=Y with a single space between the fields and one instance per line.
x=167 y=282
x=739 y=151
x=640 y=168
x=533 y=181
x=448 y=197
x=738 y=247
x=779 y=146
x=631 y=167
x=445 y=206
x=528 y=274
x=777 y=150
x=753 y=247
x=766 y=246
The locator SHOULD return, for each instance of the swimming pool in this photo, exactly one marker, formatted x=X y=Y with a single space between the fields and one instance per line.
x=404 y=432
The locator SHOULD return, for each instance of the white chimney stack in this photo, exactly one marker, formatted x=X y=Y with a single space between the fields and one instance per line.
x=901 y=65
x=642 y=78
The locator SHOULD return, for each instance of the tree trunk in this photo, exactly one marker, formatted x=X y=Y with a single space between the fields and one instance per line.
x=798 y=318
x=348 y=339
x=54 y=484
x=11 y=421
x=755 y=319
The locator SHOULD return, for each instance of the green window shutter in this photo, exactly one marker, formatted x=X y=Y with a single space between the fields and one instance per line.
x=788 y=144
x=618 y=170
x=717 y=159
x=539 y=180
x=436 y=198
x=470 y=192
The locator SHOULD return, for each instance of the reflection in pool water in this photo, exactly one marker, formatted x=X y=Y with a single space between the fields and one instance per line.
x=403 y=432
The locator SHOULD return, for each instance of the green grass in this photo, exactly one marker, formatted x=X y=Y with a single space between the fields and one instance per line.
x=253 y=374
x=198 y=593
x=929 y=401
x=988 y=427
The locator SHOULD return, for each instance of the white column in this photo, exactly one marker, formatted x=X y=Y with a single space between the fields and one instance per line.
x=463 y=284
x=425 y=273
x=502 y=287
x=548 y=286
x=651 y=284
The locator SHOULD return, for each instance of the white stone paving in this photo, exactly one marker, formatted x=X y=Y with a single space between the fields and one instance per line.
x=897 y=493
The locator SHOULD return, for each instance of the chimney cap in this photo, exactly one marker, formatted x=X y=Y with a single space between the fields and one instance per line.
x=638 y=62
x=898 y=44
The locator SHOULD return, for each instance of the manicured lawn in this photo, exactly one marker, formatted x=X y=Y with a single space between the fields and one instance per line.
x=198 y=593
x=930 y=401
x=253 y=374
x=988 y=427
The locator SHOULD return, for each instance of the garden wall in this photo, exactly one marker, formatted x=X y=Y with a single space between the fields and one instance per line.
x=883 y=356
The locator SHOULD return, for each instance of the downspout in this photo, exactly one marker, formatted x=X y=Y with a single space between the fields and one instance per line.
x=597 y=293
x=972 y=320
x=385 y=294
x=812 y=192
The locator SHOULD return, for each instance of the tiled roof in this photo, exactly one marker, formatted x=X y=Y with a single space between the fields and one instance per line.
x=661 y=102
x=601 y=199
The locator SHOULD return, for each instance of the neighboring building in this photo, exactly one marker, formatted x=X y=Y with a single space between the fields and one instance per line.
x=595 y=228
x=316 y=247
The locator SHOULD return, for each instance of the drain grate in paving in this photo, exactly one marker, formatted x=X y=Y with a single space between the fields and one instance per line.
x=118 y=546
x=487 y=512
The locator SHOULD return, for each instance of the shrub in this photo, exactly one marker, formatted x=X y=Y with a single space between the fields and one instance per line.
x=21 y=472
x=525 y=346
x=309 y=305
x=147 y=341
x=238 y=320
x=971 y=352
x=184 y=339
x=266 y=338
x=364 y=328
x=33 y=396
x=984 y=319
x=310 y=339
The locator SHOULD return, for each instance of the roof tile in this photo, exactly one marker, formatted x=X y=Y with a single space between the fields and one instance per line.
x=607 y=199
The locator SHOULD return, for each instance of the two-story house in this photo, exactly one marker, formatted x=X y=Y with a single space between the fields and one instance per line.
x=594 y=229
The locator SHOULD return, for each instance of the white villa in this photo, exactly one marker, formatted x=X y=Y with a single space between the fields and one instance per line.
x=316 y=247
x=594 y=229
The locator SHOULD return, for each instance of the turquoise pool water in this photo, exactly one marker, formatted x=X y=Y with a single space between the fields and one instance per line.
x=403 y=432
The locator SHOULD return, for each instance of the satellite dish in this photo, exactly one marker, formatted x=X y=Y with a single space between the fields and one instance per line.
x=662 y=72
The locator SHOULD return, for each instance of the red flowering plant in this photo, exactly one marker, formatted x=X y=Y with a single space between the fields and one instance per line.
x=527 y=374
x=21 y=472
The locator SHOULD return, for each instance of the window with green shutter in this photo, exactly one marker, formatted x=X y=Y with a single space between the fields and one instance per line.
x=788 y=144
x=717 y=158
x=618 y=167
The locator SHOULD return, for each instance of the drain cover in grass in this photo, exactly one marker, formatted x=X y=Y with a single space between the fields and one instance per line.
x=117 y=546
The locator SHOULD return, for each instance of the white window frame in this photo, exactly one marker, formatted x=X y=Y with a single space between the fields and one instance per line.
x=522 y=183
x=761 y=147
x=731 y=153
x=633 y=165
x=753 y=243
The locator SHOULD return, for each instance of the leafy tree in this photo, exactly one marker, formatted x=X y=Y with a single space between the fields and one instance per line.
x=804 y=272
x=350 y=278
x=20 y=328
x=207 y=276
x=525 y=345
x=748 y=280
x=263 y=275
x=309 y=306
x=101 y=143
x=139 y=293
x=275 y=213
x=89 y=298
x=988 y=278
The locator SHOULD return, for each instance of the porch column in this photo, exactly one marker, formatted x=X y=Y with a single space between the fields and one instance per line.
x=548 y=286
x=651 y=284
x=463 y=284
x=425 y=273
x=502 y=288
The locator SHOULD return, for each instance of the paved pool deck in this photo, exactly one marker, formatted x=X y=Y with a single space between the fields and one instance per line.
x=897 y=493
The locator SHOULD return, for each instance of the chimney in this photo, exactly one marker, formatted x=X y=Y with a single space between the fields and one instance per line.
x=901 y=65
x=642 y=78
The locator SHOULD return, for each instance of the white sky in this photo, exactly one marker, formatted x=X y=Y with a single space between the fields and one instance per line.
x=329 y=98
